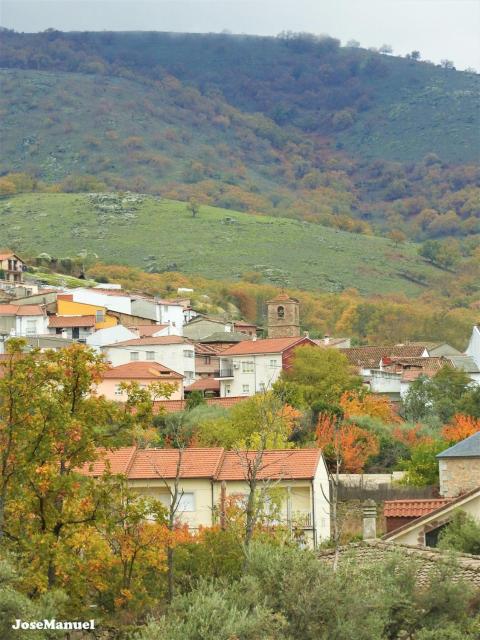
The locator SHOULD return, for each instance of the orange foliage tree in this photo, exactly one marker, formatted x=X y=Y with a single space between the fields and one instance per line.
x=352 y=444
x=358 y=403
x=460 y=427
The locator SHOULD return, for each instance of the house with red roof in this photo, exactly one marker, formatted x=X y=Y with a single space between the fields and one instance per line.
x=174 y=352
x=11 y=267
x=23 y=320
x=144 y=374
x=253 y=366
x=209 y=477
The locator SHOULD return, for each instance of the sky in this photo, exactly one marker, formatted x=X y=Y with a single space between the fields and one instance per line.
x=439 y=29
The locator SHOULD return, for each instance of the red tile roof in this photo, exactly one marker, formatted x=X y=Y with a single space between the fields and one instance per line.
x=412 y=508
x=210 y=349
x=214 y=463
x=141 y=371
x=71 y=321
x=149 y=340
x=204 y=384
x=277 y=464
x=117 y=461
x=370 y=356
x=21 y=310
x=147 y=330
x=172 y=406
x=162 y=463
x=269 y=345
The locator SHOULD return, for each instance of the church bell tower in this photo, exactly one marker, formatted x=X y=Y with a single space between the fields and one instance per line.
x=283 y=317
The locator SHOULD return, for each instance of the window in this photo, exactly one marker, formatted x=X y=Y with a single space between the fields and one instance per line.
x=189 y=375
x=188 y=354
x=186 y=502
x=248 y=367
x=31 y=328
x=99 y=315
x=262 y=386
x=134 y=355
x=280 y=313
x=245 y=388
x=228 y=389
x=118 y=390
x=207 y=359
x=150 y=355
x=273 y=364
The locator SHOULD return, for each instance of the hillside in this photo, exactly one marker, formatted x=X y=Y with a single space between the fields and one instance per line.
x=302 y=128
x=161 y=235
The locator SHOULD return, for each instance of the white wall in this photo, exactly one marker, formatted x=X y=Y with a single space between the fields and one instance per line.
x=321 y=498
x=31 y=325
x=171 y=355
x=266 y=369
x=160 y=311
x=385 y=382
x=121 y=304
x=473 y=348
x=110 y=335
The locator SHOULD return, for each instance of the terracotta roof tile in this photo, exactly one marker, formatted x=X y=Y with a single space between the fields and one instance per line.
x=118 y=461
x=142 y=371
x=411 y=508
x=204 y=384
x=162 y=463
x=370 y=356
x=210 y=349
x=172 y=406
x=276 y=464
x=149 y=340
x=269 y=345
x=21 y=310
x=71 y=321
x=147 y=330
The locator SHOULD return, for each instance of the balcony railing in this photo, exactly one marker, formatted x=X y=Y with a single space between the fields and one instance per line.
x=226 y=372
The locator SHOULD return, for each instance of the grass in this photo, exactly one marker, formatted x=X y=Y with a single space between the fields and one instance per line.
x=152 y=233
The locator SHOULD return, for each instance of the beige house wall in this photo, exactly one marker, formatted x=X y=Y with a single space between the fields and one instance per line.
x=458 y=475
x=109 y=386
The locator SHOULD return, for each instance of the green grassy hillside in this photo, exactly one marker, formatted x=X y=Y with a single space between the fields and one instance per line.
x=157 y=234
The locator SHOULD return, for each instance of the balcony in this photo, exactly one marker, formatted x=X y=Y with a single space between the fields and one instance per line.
x=225 y=372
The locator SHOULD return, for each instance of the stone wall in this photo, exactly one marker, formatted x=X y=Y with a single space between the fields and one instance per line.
x=467 y=569
x=458 y=475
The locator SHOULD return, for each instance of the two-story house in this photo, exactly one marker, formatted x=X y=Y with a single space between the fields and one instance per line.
x=172 y=351
x=23 y=320
x=144 y=374
x=208 y=477
x=253 y=366
x=11 y=267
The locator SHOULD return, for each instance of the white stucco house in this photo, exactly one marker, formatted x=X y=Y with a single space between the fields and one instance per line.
x=23 y=320
x=473 y=349
x=172 y=351
x=253 y=366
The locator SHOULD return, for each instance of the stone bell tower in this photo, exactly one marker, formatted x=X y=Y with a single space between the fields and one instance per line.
x=283 y=317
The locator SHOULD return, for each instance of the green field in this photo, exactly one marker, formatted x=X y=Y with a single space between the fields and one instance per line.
x=152 y=233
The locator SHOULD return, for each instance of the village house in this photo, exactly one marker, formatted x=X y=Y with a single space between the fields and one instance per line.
x=23 y=320
x=11 y=267
x=203 y=326
x=419 y=522
x=67 y=306
x=253 y=366
x=73 y=327
x=209 y=477
x=144 y=374
x=473 y=349
x=172 y=351
x=208 y=387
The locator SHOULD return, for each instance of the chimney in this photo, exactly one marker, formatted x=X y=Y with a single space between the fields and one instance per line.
x=326 y=339
x=306 y=334
x=369 y=510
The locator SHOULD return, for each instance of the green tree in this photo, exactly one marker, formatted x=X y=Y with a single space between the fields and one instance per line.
x=320 y=375
x=461 y=534
x=422 y=468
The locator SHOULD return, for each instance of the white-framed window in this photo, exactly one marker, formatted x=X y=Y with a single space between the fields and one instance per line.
x=150 y=355
x=245 y=388
x=248 y=366
x=134 y=355
x=189 y=375
x=186 y=502
x=188 y=353
x=228 y=389
x=99 y=315
x=118 y=390
x=273 y=364
x=31 y=328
